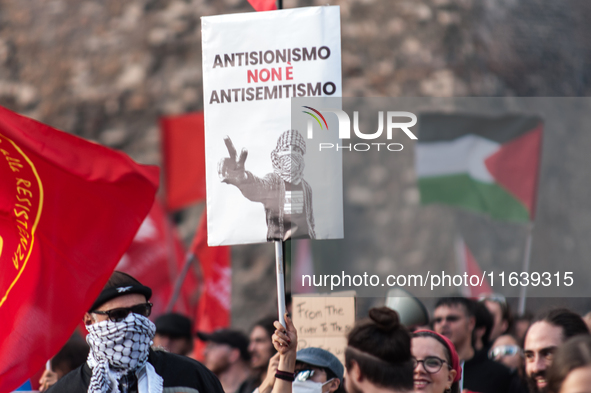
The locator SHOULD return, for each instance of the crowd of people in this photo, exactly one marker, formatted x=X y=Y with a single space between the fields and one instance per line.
x=467 y=346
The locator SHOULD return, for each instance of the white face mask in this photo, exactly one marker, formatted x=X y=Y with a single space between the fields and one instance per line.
x=308 y=386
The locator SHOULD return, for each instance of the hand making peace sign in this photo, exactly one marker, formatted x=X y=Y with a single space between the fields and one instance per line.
x=230 y=170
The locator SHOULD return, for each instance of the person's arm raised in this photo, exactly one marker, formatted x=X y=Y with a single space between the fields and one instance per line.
x=285 y=341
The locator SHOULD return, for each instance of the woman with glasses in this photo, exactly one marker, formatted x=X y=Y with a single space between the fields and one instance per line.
x=436 y=363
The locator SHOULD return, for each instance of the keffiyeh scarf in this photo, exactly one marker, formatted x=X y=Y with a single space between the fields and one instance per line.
x=118 y=348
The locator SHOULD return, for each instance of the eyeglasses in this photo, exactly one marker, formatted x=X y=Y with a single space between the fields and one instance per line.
x=119 y=314
x=449 y=318
x=304 y=375
x=504 y=350
x=432 y=364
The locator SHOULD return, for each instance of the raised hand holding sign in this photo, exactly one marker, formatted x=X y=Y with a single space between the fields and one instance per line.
x=230 y=170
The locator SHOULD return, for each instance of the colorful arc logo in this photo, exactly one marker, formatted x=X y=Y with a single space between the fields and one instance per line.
x=314 y=116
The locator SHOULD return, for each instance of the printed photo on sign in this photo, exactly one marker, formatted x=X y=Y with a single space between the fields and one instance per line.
x=264 y=182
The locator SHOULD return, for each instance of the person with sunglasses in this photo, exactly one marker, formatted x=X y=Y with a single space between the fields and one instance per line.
x=506 y=350
x=317 y=370
x=121 y=359
x=436 y=363
x=310 y=370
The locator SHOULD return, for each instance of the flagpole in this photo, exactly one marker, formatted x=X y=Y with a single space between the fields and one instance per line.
x=179 y=281
x=279 y=257
x=459 y=246
x=280 y=280
x=526 y=263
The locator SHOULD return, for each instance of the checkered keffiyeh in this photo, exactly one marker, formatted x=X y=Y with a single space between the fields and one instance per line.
x=117 y=348
x=289 y=167
x=291 y=138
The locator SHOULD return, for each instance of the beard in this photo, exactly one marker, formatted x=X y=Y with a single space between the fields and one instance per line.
x=218 y=366
x=533 y=385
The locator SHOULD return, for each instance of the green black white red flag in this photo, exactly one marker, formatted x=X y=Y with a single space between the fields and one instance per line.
x=486 y=164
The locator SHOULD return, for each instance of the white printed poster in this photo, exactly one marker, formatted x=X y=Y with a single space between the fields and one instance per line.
x=265 y=180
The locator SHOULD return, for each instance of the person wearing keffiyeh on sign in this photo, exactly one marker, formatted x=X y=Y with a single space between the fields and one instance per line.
x=286 y=196
x=120 y=359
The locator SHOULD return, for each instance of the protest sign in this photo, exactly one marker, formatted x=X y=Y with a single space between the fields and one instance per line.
x=278 y=187
x=324 y=322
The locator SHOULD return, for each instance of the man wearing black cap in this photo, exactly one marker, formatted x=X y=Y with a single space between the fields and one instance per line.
x=226 y=355
x=120 y=358
x=173 y=334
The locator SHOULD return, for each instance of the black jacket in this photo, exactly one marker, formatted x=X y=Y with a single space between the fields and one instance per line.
x=179 y=374
x=487 y=376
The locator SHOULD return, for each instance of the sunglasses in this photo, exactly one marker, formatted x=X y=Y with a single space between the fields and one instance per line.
x=449 y=318
x=304 y=375
x=495 y=297
x=119 y=314
x=504 y=350
x=432 y=364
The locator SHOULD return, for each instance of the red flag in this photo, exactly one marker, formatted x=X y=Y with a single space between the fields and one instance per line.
x=155 y=258
x=467 y=263
x=516 y=167
x=263 y=5
x=213 y=311
x=68 y=211
x=183 y=152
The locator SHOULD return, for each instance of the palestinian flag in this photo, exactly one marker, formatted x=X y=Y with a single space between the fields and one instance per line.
x=486 y=164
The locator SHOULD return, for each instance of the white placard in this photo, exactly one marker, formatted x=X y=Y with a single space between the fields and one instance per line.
x=253 y=64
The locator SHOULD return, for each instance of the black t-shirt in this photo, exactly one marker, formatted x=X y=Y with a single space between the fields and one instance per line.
x=483 y=375
x=177 y=372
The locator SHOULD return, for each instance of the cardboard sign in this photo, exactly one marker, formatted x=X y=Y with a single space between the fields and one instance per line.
x=324 y=322
x=264 y=181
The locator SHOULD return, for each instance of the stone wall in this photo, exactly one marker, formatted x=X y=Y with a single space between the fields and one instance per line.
x=106 y=70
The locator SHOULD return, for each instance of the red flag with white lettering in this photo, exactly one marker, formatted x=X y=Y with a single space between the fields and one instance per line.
x=213 y=311
x=155 y=258
x=69 y=209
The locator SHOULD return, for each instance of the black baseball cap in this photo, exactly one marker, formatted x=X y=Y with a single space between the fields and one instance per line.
x=233 y=338
x=173 y=325
x=120 y=284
